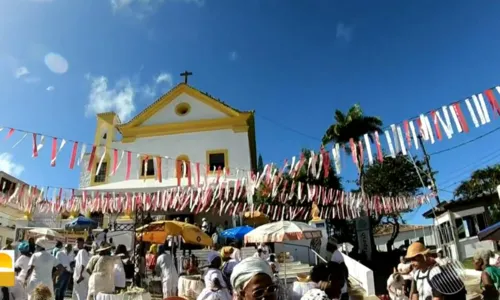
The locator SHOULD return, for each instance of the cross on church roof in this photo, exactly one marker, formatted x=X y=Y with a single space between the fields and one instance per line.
x=186 y=74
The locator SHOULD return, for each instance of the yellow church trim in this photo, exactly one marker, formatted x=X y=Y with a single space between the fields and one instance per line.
x=218 y=151
x=237 y=124
x=171 y=96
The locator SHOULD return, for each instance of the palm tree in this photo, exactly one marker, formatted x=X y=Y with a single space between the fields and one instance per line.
x=353 y=125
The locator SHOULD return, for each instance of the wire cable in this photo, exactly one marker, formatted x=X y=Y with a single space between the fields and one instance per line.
x=466 y=143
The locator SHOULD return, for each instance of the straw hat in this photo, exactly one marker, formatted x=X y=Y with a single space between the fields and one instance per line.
x=416 y=249
x=104 y=247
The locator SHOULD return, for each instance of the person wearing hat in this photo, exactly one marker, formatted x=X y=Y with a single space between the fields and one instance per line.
x=215 y=284
x=101 y=270
x=426 y=270
x=22 y=262
x=80 y=277
x=41 y=267
x=204 y=225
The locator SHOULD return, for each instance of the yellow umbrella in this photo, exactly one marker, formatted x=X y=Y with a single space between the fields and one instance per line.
x=157 y=232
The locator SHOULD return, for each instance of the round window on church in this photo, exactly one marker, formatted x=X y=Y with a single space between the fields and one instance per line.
x=182 y=109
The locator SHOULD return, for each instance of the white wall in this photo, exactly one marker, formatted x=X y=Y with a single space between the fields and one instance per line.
x=194 y=145
x=361 y=273
x=198 y=111
x=412 y=236
x=468 y=246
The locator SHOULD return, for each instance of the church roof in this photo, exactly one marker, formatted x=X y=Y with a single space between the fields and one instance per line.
x=386 y=229
x=175 y=89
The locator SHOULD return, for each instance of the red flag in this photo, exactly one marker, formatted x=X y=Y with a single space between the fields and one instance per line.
x=493 y=101
x=35 y=147
x=54 y=152
x=73 y=155
x=91 y=159
x=10 y=133
x=129 y=164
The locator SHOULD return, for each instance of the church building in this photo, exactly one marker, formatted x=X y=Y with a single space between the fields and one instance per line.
x=185 y=126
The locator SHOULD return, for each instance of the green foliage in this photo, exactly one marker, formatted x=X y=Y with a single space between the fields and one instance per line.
x=263 y=192
x=482 y=182
x=395 y=176
x=260 y=164
x=354 y=125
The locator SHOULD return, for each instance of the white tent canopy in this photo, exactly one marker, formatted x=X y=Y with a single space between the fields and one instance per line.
x=282 y=231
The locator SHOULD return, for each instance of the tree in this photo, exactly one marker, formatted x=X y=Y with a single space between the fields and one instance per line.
x=481 y=182
x=394 y=176
x=353 y=125
x=260 y=164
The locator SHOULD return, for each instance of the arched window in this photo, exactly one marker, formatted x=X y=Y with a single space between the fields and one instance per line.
x=179 y=165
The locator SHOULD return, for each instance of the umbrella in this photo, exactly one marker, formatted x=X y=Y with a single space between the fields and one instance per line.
x=45 y=231
x=282 y=231
x=157 y=232
x=82 y=223
x=491 y=233
x=237 y=233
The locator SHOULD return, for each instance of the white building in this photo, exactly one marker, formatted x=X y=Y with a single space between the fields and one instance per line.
x=457 y=224
x=407 y=235
x=189 y=129
x=9 y=213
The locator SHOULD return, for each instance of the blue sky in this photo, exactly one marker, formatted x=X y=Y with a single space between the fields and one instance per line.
x=292 y=61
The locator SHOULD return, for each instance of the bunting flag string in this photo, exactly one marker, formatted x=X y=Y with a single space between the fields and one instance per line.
x=223 y=197
x=399 y=138
x=279 y=186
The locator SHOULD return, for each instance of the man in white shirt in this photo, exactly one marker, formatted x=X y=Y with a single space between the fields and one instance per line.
x=337 y=257
x=64 y=258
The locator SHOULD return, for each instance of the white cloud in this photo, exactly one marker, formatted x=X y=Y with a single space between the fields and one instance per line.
x=103 y=98
x=163 y=80
x=21 y=71
x=50 y=88
x=56 y=63
x=8 y=165
x=233 y=56
x=344 y=32
x=141 y=8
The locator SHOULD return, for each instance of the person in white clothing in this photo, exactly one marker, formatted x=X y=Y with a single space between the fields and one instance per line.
x=40 y=268
x=215 y=285
x=395 y=287
x=65 y=258
x=259 y=254
x=405 y=269
x=120 y=276
x=441 y=259
x=265 y=250
x=337 y=257
x=22 y=262
x=169 y=277
x=80 y=277
x=236 y=255
x=101 y=267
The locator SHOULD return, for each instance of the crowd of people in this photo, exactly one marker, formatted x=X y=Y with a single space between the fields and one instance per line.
x=100 y=267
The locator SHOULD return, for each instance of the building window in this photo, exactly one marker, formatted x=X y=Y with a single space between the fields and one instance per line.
x=147 y=167
x=7 y=185
x=182 y=162
x=103 y=171
x=459 y=223
x=481 y=222
x=217 y=159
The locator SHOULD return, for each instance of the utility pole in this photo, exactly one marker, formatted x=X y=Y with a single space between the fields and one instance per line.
x=429 y=169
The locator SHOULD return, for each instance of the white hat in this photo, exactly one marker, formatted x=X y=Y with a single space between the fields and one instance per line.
x=203 y=219
x=104 y=247
x=43 y=242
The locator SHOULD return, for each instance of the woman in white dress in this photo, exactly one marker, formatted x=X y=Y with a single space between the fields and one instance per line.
x=80 y=276
x=101 y=270
x=169 y=277
x=40 y=269
x=22 y=262
x=120 y=278
x=215 y=285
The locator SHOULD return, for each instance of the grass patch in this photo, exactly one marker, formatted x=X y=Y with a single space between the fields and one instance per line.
x=468 y=263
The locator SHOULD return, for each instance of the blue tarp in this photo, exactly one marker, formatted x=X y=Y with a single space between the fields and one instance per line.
x=82 y=223
x=491 y=233
x=237 y=233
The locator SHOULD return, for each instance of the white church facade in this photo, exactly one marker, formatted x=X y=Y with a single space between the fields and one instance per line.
x=187 y=128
